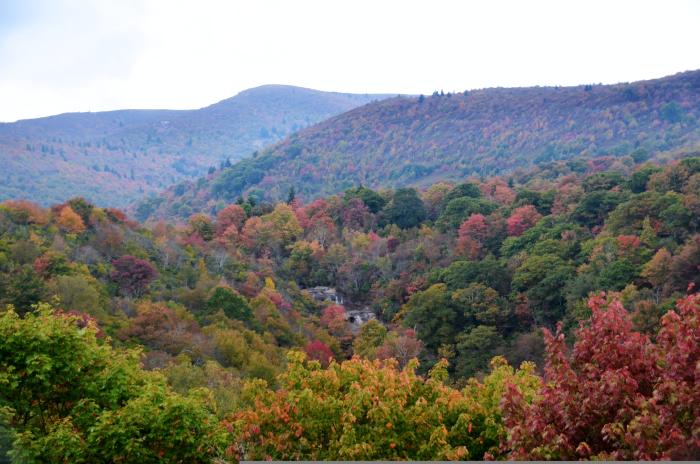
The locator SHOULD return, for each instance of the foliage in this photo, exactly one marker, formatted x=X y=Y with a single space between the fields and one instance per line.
x=133 y=275
x=231 y=303
x=74 y=398
x=116 y=158
x=406 y=209
x=218 y=301
x=618 y=395
x=364 y=410
x=406 y=141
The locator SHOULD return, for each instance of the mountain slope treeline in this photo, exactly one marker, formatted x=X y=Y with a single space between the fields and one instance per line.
x=420 y=140
x=115 y=157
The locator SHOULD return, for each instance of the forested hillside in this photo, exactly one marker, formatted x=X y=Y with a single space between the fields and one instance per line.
x=417 y=141
x=116 y=157
x=198 y=342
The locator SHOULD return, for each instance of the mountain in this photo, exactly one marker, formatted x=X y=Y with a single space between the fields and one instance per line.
x=115 y=157
x=414 y=141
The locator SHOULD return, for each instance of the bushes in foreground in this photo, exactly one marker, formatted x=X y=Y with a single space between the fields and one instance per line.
x=69 y=396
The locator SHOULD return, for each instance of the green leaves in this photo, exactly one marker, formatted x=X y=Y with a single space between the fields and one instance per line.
x=363 y=410
x=74 y=398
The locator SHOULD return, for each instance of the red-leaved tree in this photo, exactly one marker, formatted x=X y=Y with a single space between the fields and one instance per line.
x=133 y=275
x=333 y=319
x=522 y=219
x=320 y=352
x=617 y=395
x=471 y=236
x=232 y=215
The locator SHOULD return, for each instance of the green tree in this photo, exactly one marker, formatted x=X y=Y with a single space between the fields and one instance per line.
x=433 y=316
x=79 y=293
x=23 y=289
x=543 y=279
x=594 y=207
x=616 y=275
x=74 y=398
x=481 y=304
x=602 y=181
x=374 y=201
x=487 y=271
x=231 y=303
x=638 y=180
x=468 y=189
x=406 y=209
x=372 y=335
x=475 y=348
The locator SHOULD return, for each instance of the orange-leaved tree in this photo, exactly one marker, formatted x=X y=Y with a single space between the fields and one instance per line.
x=365 y=410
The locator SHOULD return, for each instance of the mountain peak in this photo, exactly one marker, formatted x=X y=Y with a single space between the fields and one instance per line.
x=113 y=157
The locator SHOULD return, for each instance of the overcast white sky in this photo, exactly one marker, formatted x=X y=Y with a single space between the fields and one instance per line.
x=78 y=55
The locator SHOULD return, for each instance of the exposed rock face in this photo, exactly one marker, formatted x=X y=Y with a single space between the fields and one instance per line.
x=359 y=316
x=325 y=294
x=356 y=317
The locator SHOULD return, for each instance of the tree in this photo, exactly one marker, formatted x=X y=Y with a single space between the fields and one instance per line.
x=406 y=209
x=319 y=351
x=434 y=198
x=522 y=219
x=333 y=319
x=24 y=289
x=133 y=275
x=69 y=221
x=166 y=328
x=231 y=303
x=374 y=201
x=475 y=348
x=594 y=207
x=78 y=293
x=617 y=395
x=316 y=220
x=433 y=316
x=471 y=236
x=355 y=214
x=401 y=345
x=284 y=222
x=74 y=398
x=685 y=268
x=256 y=236
x=370 y=410
x=617 y=275
x=639 y=179
x=201 y=225
x=488 y=271
x=468 y=189
x=481 y=305
x=82 y=207
x=602 y=181
x=232 y=215
x=542 y=279
x=372 y=335
x=26 y=212
x=459 y=209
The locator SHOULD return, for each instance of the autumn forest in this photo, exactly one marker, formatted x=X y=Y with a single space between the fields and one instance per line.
x=500 y=274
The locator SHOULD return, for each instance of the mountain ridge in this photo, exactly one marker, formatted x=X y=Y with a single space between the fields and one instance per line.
x=415 y=141
x=114 y=157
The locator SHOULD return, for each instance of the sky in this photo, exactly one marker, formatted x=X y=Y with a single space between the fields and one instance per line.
x=61 y=56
